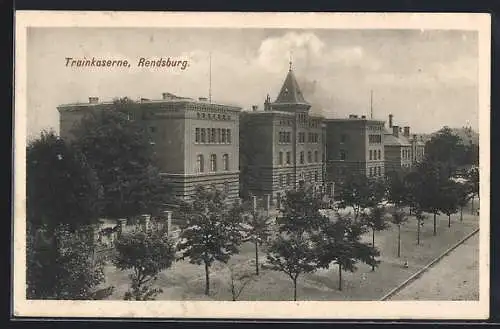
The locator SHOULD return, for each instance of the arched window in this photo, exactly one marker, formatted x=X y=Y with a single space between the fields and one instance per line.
x=213 y=162
x=316 y=156
x=309 y=157
x=200 y=163
x=225 y=162
x=302 y=157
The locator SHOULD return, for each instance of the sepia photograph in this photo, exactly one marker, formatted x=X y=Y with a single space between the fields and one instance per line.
x=264 y=165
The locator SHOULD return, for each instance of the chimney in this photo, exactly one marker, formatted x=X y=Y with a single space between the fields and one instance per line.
x=254 y=108
x=363 y=117
x=390 y=120
x=414 y=137
x=145 y=100
x=353 y=116
x=202 y=99
x=93 y=100
x=395 y=131
x=165 y=95
x=407 y=131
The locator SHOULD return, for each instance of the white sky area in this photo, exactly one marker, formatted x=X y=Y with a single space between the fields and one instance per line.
x=426 y=79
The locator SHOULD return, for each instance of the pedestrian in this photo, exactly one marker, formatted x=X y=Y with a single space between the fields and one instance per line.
x=405 y=264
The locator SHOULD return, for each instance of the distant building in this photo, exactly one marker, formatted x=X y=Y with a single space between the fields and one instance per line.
x=398 y=149
x=282 y=146
x=196 y=140
x=354 y=145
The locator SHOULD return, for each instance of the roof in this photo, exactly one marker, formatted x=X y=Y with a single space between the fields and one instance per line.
x=290 y=91
x=390 y=139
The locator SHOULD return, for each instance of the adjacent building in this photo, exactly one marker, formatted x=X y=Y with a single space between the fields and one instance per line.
x=398 y=149
x=282 y=146
x=354 y=145
x=196 y=140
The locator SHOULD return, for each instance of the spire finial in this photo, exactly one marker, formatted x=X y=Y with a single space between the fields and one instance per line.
x=290 y=62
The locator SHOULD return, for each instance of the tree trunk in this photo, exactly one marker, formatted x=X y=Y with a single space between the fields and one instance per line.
x=449 y=220
x=461 y=214
x=207 y=280
x=340 y=277
x=373 y=246
x=257 y=257
x=472 y=206
x=435 y=232
x=295 y=289
x=418 y=232
x=399 y=240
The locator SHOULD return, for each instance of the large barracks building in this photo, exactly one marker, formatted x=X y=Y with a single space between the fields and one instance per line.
x=196 y=140
x=264 y=151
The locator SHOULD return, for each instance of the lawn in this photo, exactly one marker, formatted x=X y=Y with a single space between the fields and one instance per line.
x=184 y=281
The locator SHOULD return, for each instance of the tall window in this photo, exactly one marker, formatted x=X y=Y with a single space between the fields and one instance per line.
x=371 y=172
x=280 y=158
x=343 y=154
x=371 y=155
x=199 y=163
x=229 y=136
x=213 y=135
x=203 y=135
x=224 y=140
x=379 y=156
x=282 y=180
x=197 y=135
x=315 y=176
x=288 y=179
x=288 y=158
x=213 y=162
x=219 y=136
x=379 y=169
x=302 y=157
x=316 y=159
x=309 y=157
x=225 y=162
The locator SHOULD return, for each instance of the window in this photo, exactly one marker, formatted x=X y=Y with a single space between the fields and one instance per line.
x=281 y=137
x=152 y=129
x=371 y=172
x=288 y=158
x=199 y=163
x=309 y=157
x=343 y=138
x=371 y=155
x=198 y=115
x=316 y=156
x=379 y=169
x=226 y=187
x=375 y=139
x=343 y=154
x=213 y=163
x=280 y=158
x=224 y=140
x=315 y=176
x=288 y=179
x=219 y=136
x=302 y=157
x=282 y=180
x=379 y=155
x=197 y=135
x=225 y=162
x=212 y=134
x=203 y=134
x=229 y=136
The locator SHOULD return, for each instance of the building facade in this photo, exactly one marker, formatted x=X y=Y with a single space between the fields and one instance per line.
x=282 y=146
x=196 y=140
x=398 y=149
x=354 y=145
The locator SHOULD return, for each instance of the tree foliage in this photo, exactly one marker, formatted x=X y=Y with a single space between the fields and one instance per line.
x=61 y=186
x=445 y=148
x=211 y=231
x=60 y=264
x=146 y=253
x=399 y=217
x=374 y=219
x=450 y=199
x=359 y=192
x=120 y=151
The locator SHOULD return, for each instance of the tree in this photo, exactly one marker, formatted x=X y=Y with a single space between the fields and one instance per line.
x=293 y=251
x=375 y=220
x=340 y=243
x=62 y=206
x=473 y=177
x=257 y=228
x=146 y=253
x=242 y=276
x=122 y=154
x=399 y=217
x=61 y=186
x=420 y=217
x=60 y=264
x=359 y=192
x=464 y=195
x=449 y=200
x=446 y=148
x=209 y=232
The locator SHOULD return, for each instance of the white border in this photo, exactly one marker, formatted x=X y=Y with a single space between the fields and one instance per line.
x=266 y=310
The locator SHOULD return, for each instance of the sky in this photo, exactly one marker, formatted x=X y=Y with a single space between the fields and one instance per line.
x=425 y=78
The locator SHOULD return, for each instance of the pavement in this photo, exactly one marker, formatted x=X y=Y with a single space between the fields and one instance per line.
x=455 y=277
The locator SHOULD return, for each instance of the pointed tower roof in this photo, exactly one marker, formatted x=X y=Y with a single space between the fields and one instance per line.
x=290 y=91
